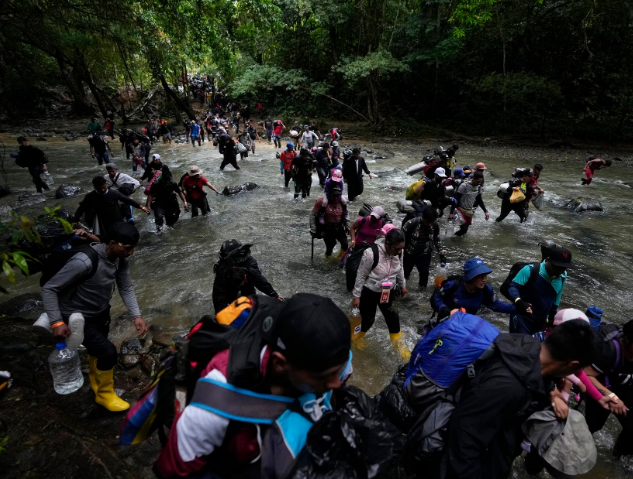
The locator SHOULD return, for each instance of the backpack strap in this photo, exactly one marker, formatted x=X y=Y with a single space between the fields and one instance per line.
x=618 y=352
x=238 y=404
x=535 y=270
x=116 y=178
x=374 y=250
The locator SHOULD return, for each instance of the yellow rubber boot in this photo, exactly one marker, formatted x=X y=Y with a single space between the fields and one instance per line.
x=106 y=396
x=92 y=367
x=358 y=340
x=398 y=344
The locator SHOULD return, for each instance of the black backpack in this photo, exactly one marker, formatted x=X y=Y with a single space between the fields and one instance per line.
x=57 y=260
x=353 y=262
x=514 y=270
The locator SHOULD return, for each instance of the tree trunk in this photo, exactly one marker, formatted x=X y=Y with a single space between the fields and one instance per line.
x=81 y=105
x=175 y=98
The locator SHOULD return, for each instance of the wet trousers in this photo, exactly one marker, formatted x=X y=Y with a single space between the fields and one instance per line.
x=330 y=236
x=369 y=302
x=96 y=341
x=507 y=208
x=422 y=263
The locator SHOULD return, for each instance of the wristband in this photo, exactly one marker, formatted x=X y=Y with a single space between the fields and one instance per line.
x=58 y=323
x=614 y=397
x=515 y=301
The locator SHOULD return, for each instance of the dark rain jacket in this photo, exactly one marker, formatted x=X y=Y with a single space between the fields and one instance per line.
x=484 y=432
x=228 y=285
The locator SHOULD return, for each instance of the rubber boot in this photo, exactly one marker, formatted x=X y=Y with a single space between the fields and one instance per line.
x=42 y=325
x=105 y=395
x=358 y=341
x=92 y=367
x=398 y=344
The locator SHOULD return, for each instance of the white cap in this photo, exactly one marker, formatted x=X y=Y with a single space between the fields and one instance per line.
x=156 y=156
x=440 y=172
x=335 y=143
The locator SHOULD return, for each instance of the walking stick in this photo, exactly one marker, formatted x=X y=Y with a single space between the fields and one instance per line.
x=312 y=255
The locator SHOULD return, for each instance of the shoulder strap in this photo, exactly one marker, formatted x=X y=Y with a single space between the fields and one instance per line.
x=534 y=273
x=374 y=250
x=238 y=404
x=618 y=352
x=116 y=178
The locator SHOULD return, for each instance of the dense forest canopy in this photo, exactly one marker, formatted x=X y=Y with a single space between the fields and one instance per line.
x=550 y=67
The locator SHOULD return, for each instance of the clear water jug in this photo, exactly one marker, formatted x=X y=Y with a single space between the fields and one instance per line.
x=66 y=369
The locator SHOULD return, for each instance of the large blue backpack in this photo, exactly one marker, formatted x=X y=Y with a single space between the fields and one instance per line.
x=443 y=355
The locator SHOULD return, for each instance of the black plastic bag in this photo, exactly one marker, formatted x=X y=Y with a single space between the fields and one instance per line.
x=354 y=441
x=393 y=403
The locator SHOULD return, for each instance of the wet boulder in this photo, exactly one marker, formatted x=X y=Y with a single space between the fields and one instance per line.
x=136 y=346
x=128 y=361
x=66 y=191
x=584 y=204
x=234 y=190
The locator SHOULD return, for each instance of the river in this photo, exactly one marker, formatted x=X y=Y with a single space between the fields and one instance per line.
x=173 y=272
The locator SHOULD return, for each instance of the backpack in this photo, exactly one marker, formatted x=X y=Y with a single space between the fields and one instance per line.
x=353 y=262
x=514 y=270
x=610 y=332
x=58 y=259
x=126 y=189
x=440 y=364
x=457 y=281
x=244 y=327
x=429 y=170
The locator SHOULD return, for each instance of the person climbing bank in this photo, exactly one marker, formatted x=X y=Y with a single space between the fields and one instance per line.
x=79 y=288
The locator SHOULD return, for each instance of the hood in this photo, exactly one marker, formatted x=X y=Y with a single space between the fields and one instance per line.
x=380 y=242
x=520 y=353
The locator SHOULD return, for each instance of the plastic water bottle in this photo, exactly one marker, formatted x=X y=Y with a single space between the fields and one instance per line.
x=440 y=275
x=66 y=369
x=355 y=321
x=48 y=178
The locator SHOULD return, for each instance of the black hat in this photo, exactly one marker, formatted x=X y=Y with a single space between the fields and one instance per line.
x=231 y=246
x=336 y=189
x=21 y=139
x=124 y=233
x=560 y=257
x=313 y=333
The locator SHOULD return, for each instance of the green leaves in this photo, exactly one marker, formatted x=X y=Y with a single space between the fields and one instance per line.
x=381 y=63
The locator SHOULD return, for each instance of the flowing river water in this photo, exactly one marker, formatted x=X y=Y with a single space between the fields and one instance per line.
x=173 y=272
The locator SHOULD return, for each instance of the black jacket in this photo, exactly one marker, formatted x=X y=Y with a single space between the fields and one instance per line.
x=32 y=156
x=106 y=207
x=228 y=285
x=484 y=432
x=351 y=174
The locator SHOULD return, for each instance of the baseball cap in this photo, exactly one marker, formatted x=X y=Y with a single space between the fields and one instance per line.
x=560 y=257
x=111 y=166
x=156 y=156
x=290 y=145
x=458 y=173
x=195 y=170
x=480 y=166
x=231 y=246
x=377 y=212
x=313 y=333
x=124 y=233
x=440 y=172
x=337 y=189
x=335 y=143
x=569 y=314
x=474 y=267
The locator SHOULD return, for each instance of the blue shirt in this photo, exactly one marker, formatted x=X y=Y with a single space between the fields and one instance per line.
x=195 y=130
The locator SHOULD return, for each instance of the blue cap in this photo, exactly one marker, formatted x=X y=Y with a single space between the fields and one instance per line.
x=290 y=145
x=60 y=346
x=459 y=172
x=474 y=267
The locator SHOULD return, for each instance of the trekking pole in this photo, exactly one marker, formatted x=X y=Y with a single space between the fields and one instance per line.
x=182 y=349
x=312 y=255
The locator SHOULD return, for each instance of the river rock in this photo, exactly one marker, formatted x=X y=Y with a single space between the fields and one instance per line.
x=234 y=190
x=66 y=191
x=136 y=346
x=128 y=361
x=149 y=364
x=584 y=204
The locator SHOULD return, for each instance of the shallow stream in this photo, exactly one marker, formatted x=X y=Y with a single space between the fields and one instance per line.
x=173 y=272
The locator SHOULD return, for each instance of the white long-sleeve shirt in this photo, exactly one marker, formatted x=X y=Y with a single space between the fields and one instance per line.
x=389 y=268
